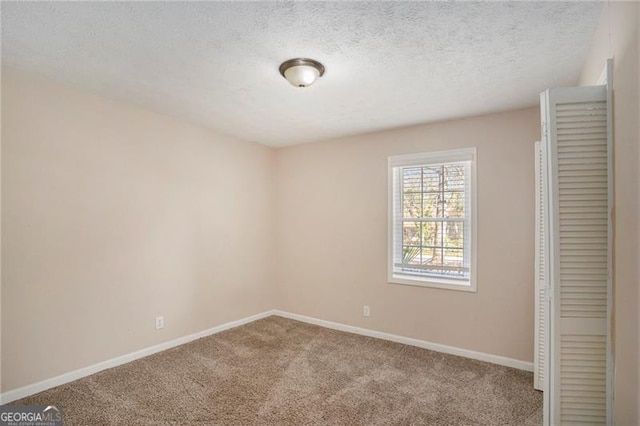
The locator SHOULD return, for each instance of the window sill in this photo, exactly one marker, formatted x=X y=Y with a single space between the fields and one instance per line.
x=468 y=286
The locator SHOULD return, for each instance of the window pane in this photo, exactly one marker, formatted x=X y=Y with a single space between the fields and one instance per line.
x=411 y=179
x=410 y=233
x=453 y=258
x=431 y=233
x=454 y=204
x=453 y=234
x=431 y=242
x=431 y=178
x=431 y=205
x=411 y=255
x=411 y=204
x=454 y=177
x=430 y=256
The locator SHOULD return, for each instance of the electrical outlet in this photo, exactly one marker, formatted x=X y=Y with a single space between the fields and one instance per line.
x=366 y=311
x=159 y=322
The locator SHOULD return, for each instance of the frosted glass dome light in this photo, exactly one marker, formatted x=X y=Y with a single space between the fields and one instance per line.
x=301 y=72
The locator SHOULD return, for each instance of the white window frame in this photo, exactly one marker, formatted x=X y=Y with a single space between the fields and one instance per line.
x=397 y=162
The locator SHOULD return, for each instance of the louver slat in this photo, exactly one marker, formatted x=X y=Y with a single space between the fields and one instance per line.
x=582 y=198
x=579 y=265
x=540 y=271
x=583 y=379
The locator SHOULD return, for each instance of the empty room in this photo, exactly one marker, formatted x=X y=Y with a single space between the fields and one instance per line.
x=320 y=213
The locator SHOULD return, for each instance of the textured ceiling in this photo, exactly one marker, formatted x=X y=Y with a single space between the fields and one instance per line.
x=388 y=64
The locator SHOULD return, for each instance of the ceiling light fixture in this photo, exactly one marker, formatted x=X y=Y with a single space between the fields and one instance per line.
x=301 y=72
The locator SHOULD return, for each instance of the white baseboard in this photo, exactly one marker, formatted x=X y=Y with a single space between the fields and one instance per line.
x=34 y=388
x=480 y=356
x=28 y=390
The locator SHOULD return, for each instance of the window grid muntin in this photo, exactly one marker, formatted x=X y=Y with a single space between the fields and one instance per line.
x=436 y=270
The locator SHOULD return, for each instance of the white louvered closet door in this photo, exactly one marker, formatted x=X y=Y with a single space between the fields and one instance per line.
x=575 y=126
x=541 y=281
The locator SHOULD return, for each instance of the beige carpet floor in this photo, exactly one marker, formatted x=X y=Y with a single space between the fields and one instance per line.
x=282 y=372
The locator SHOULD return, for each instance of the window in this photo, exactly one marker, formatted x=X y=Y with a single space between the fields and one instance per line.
x=432 y=219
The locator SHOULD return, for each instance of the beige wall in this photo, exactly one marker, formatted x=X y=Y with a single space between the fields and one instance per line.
x=617 y=37
x=332 y=212
x=112 y=215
